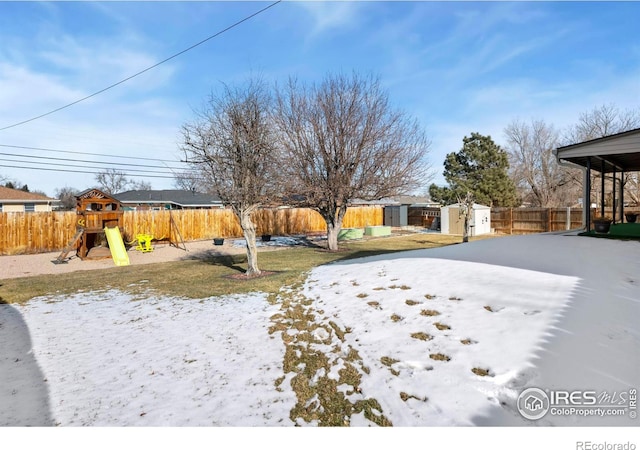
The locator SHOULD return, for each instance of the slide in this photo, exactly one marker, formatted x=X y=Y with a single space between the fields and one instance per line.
x=116 y=245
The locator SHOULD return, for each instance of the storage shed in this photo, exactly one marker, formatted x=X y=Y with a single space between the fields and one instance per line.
x=395 y=216
x=452 y=221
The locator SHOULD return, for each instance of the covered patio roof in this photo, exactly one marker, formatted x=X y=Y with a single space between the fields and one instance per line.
x=616 y=153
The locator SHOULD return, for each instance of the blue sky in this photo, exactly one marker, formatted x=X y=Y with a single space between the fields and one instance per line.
x=458 y=67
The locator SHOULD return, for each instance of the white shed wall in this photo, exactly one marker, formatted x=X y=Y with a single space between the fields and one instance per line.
x=480 y=219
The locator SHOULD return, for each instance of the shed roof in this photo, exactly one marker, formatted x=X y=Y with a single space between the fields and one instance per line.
x=475 y=206
x=92 y=193
x=617 y=152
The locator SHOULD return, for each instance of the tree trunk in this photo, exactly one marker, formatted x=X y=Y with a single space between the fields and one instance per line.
x=249 y=231
x=465 y=232
x=333 y=217
x=332 y=235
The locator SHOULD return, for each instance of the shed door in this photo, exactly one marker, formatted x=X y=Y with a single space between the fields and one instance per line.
x=456 y=221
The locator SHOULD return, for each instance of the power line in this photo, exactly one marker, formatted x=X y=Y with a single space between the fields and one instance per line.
x=50 y=158
x=88 y=154
x=145 y=70
x=86 y=171
x=79 y=165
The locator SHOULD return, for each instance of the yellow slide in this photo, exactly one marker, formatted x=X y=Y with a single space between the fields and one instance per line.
x=116 y=245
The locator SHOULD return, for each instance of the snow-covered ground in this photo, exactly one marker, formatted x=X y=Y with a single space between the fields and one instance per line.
x=559 y=313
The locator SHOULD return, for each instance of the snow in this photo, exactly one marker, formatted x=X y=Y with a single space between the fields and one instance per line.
x=523 y=302
x=548 y=311
x=158 y=361
x=277 y=241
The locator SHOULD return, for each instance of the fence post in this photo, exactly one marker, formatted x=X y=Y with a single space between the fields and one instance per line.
x=510 y=220
x=568 y=217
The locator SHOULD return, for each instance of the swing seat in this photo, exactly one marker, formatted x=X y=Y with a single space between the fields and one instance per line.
x=144 y=243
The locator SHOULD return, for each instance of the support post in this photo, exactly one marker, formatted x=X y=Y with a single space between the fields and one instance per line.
x=586 y=211
x=613 y=193
x=622 y=196
x=602 y=212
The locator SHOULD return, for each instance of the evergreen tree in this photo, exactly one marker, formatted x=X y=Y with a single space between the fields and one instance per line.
x=481 y=168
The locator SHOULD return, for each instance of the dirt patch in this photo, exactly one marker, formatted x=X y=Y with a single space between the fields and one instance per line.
x=18 y=266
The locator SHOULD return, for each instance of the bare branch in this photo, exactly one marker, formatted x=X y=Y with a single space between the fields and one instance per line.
x=344 y=141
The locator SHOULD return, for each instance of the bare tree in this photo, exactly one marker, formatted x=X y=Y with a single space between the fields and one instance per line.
x=112 y=181
x=188 y=180
x=533 y=166
x=67 y=197
x=603 y=121
x=466 y=212
x=140 y=185
x=233 y=145
x=344 y=141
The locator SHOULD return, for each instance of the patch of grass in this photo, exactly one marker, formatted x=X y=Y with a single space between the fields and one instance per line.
x=389 y=362
x=206 y=277
x=455 y=299
x=362 y=295
x=396 y=318
x=374 y=304
x=488 y=308
x=379 y=289
x=481 y=372
x=339 y=331
x=320 y=397
x=411 y=302
x=403 y=287
x=421 y=336
x=429 y=312
x=441 y=326
x=467 y=342
x=429 y=296
x=404 y=396
x=439 y=357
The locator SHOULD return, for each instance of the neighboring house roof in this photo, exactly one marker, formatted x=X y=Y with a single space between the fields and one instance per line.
x=410 y=200
x=183 y=198
x=8 y=195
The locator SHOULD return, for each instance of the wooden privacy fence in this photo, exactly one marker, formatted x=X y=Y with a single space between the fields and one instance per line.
x=39 y=232
x=536 y=220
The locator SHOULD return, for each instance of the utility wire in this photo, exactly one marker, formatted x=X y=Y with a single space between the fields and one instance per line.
x=90 y=154
x=87 y=172
x=50 y=158
x=81 y=165
x=145 y=70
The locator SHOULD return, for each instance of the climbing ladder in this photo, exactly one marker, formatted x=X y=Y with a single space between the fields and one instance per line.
x=71 y=246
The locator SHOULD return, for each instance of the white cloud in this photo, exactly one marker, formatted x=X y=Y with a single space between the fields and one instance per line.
x=329 y=16
x=24 y=90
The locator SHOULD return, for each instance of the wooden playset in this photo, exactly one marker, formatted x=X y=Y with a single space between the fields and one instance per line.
x=97 y=211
